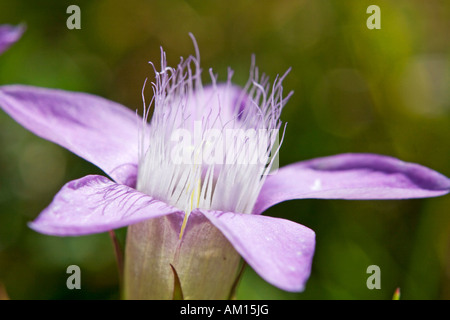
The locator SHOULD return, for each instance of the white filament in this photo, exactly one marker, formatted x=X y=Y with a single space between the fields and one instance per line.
x=180 y=102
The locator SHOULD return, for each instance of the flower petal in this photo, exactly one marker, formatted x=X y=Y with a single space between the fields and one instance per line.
x=351 y=176
x=98 y=130
x=95 y=204
x=9 y=35
x=279 y=250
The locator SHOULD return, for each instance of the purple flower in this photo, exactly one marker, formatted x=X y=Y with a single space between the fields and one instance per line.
x=189 y=206
x=9 y=35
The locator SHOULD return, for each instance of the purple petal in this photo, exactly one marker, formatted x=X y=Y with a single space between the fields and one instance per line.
x=351 y=176
x=9 y=35
x=98 y=130
x=95 y=204
x=279 y=250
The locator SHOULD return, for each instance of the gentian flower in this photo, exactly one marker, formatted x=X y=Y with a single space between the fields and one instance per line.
x=192 y=209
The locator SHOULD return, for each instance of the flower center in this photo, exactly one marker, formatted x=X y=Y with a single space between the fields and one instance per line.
x=209 y=147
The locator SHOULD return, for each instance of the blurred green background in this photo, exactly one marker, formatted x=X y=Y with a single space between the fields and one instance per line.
x=356 y=90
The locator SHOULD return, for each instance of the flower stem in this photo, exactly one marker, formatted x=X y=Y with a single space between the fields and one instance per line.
x=119 y=255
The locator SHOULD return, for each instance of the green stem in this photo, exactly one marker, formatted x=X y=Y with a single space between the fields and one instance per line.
x=119 y=255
